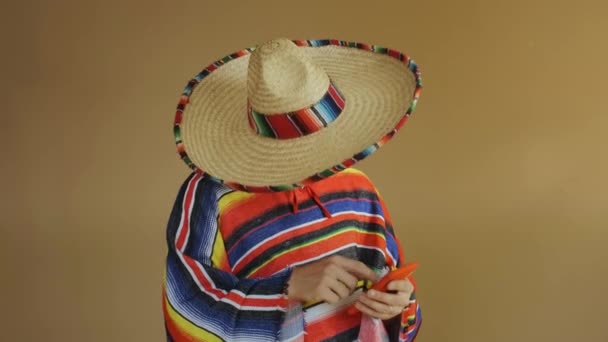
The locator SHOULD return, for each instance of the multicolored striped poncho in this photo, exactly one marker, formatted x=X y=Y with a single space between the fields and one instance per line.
x=231 y=254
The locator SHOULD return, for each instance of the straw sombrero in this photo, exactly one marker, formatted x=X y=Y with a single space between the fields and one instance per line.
x=288 y=113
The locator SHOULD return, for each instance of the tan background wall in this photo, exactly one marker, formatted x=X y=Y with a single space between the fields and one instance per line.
x=497 y=184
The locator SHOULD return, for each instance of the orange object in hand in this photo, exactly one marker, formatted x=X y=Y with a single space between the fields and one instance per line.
x=400 y=273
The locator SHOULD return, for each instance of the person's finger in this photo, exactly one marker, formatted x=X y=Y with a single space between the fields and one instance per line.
x=329 y=296
x=356 y=268
x=373 y=312
x=339 y=288
x=400 y=298
x=346 y=278
x=403 y=285
x=378 y=306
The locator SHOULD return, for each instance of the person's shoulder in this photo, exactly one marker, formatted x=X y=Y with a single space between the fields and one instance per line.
x=203 y=182
x=355 y=174
x=353 y=171
x=353 y=179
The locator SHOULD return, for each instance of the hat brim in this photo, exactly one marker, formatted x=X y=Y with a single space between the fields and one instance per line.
x=380 y=87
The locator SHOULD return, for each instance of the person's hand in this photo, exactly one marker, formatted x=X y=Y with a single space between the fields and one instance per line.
x=386 y=305
x=329 y=279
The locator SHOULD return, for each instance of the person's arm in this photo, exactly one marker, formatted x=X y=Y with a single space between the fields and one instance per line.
x=202 y=300
x=404 y=327
x=396 y=306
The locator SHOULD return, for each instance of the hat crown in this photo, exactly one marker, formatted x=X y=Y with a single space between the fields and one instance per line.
x=282 y=78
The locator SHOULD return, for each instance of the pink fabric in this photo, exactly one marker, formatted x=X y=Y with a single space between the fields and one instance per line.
x=372 y=329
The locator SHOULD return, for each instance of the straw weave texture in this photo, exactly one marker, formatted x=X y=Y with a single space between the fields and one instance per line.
x=377 y=88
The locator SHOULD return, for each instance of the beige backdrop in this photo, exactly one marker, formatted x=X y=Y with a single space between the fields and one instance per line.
x=497 y=184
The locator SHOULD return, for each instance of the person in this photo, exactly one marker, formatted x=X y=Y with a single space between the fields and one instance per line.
x=274 y=236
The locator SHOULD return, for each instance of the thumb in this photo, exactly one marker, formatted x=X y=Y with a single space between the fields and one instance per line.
x=358 y=269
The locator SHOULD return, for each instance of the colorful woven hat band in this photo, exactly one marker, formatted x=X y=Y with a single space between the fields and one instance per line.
x=300 y=122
